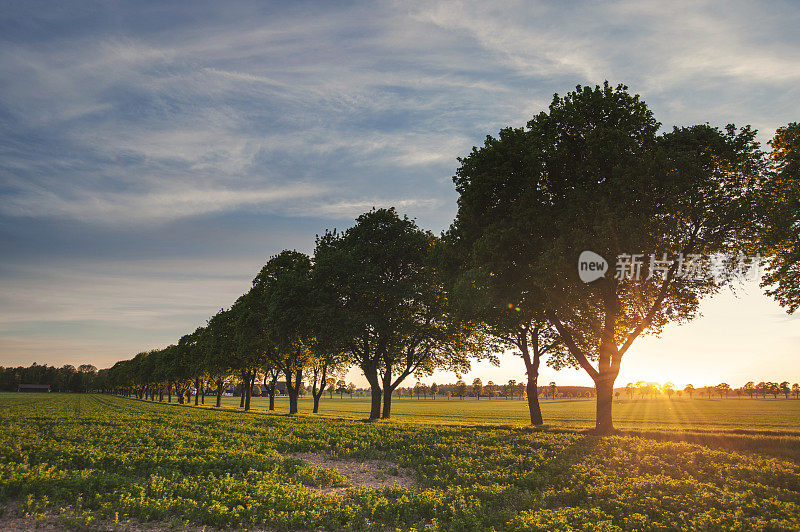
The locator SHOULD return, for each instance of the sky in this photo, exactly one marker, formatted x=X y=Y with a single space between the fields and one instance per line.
x=153 y=156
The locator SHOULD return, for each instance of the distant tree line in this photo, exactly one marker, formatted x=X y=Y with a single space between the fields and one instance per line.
x=750 y=389
x=592 y=173
x=67 y=378
x=509 y=390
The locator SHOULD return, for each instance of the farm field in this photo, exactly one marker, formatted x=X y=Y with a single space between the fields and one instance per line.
x=91 y=461
x=676 y=414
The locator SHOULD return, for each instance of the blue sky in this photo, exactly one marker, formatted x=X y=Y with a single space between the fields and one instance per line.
x=154 y=155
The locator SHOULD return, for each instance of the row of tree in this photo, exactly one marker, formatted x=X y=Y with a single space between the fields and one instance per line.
x=593 y=172
x=643 y=389
x=86 y=378
x=512 y=389
x=373 y=297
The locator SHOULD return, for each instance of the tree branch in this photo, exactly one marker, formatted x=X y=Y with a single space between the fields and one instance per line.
x=567 y=338
x=662 y=294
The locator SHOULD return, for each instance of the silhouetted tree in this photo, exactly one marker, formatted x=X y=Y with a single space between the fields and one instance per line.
x=630 y=390
x=762 y=388
x=461 y=389
x=774 y=389
x=749 y=388
x=784 y=388
x=284 y=299
x=341 y=388
x=593 y=173
x=477 y=388
x=383 y=303
x=668 y=389
x=490 y=390
x=723 y=389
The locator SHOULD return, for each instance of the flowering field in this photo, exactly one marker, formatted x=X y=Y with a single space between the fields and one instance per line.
x=101 y=461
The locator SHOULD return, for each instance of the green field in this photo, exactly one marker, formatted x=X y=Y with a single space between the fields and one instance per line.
x=91 y=461
x=706 y=414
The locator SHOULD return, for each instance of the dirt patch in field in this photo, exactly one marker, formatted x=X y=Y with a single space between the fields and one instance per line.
x=52 y=522
x=18 y=523
x=369 y=473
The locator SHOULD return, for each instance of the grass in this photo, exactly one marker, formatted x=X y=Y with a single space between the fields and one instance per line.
x=91 y=458
x=676 y=414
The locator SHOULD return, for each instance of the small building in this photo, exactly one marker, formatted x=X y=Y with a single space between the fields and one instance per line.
x=34 y=388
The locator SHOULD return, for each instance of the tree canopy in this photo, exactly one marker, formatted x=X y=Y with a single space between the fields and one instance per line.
x=780 y=208
x=593 y=174
x=384 y=303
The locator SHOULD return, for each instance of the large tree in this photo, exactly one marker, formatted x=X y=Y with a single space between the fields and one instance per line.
x=252 y=346
x=512 y=317
x=283 y=296
x=592 y=173
x=219 y=347
x=780 y=237
x=382 y=302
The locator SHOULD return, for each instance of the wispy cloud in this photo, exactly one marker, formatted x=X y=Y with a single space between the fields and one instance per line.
x=351 y=209
x=125 y=208
x=128 y=133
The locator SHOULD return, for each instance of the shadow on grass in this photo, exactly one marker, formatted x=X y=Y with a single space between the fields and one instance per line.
x=774 y=444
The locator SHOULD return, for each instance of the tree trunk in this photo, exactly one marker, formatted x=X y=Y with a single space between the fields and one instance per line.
x=532 y=368
x=196 y=392
x=387 y=405
x=293 y=393
x=249 y=391
x=203 y=397
x=219 y=393
x=272 y=385
x=292 y=389
x=533 y=401
x=371 y=374
x=387 y=393
x=605 y=394
x=169 y=392
x=241 y=392
x=315 y=393
x=375 y=403
x=316 y=402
